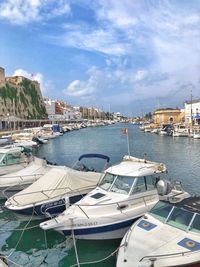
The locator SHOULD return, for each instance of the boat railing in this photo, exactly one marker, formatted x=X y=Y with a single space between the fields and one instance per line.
x=121 y=205
x=46 y=191
x=21 y=176
x=153 y=258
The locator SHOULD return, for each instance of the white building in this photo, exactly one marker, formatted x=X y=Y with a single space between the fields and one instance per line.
x=192 y=110
x=65 y=113
x=50 y=107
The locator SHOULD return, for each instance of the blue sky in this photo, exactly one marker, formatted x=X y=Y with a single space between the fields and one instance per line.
x=132 y=55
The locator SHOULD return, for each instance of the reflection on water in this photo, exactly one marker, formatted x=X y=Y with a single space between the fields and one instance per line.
x=181 y=156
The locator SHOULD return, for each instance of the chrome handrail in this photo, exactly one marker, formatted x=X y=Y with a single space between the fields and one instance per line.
x=168 y=255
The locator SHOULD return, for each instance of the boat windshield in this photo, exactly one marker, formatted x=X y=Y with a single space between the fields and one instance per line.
x=9 y=159
x=161 y=211
x=1 y=157
x=180 y=218
x=116 y=183
x=195 y=226
x=176 y=216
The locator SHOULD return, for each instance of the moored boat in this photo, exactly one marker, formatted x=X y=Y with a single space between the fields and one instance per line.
x=124 y=194
x=180 y=130
x=13 y=182
x=57 y=189
x=168 y=235
x=13 y=159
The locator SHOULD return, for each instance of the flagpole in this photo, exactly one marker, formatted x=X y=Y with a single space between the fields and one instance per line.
x=125 y=131
x=127 y=138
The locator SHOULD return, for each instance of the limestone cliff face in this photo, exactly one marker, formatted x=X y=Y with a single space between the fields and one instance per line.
x=21 y=97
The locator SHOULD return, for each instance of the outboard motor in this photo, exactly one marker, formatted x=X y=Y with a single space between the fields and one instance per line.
x=163 y=187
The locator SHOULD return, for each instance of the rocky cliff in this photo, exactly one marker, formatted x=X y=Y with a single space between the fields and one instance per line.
x=21 y=97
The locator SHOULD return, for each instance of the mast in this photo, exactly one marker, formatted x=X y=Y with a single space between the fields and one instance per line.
x=191 y=112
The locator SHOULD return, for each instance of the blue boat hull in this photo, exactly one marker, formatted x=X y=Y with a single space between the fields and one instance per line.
x=51 y=208
x=113 y=231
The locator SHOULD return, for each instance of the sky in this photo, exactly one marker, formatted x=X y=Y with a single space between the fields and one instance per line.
x=128 y=56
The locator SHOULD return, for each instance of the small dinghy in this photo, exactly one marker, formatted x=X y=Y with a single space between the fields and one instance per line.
x=57 y=189
x=168 y=235
x=125 y=193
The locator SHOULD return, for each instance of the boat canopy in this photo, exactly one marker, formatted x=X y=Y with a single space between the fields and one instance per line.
x=33 y=171
x=135 y=167
x=101 y=156
x=54 y=183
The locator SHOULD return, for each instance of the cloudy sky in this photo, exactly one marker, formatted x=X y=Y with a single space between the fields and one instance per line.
x=132 y=55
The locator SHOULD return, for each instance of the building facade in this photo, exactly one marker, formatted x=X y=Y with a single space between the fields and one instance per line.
x=192 y=112
x=168 y=116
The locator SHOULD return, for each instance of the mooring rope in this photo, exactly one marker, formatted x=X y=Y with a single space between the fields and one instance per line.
x=75 y=248
x=7 y=257
x=98 y=261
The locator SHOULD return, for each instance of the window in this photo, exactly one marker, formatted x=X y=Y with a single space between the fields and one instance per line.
x=122 y=184
x=2 y=159
x=13 y=159
x=180 y=218
x=139 y=186
x=195 y=227
x=116 y=183
x=161 y=210
x=107 y=181
x=149 y=182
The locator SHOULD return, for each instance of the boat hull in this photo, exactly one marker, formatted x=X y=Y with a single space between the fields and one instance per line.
x=47 y=209
x=112 y=231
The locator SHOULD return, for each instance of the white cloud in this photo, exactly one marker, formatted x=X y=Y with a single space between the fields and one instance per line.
x=140 y=75
x=45 y=85
x=80 y=89
x=21 y=12
x=99 y=40
x=119 y=13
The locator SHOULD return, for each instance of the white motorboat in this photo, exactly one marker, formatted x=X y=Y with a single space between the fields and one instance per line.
x=168 y=235
x=13 y=159
x=124 y=194
x=180 y=130
x=59 y=187
x=5 y=140
x=196 y=134
x=16 y=181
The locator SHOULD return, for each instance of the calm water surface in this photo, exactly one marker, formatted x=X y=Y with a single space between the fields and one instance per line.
x=30 y=246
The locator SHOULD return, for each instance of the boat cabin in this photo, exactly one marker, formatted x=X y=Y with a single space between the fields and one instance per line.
x=10 y=156
x=132 y=176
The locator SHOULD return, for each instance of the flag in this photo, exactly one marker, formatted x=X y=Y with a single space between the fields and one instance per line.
x=125 y=130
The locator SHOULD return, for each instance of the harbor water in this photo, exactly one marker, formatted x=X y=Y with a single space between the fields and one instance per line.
x=26 y=244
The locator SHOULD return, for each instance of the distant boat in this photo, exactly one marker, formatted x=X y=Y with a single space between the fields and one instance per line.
x=180 y=130
x=196 y=134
